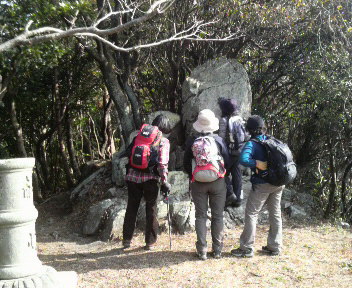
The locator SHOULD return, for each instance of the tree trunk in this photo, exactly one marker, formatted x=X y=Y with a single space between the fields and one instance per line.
x=121 y=101
x=333 y=183
x=18 y=133
x=106 y=127
x=59 y=114
x=70 y=146
x=41 y=159
x=343 y=189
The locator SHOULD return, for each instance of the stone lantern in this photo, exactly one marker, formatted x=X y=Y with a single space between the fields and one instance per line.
x=19 y=263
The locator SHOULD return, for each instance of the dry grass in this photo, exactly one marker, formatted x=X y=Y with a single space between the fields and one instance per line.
x=314 y=256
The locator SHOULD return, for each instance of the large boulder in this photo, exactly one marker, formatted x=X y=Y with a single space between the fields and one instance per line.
x=216 y=78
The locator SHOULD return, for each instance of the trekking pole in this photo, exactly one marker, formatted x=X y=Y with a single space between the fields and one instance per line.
x=169 y=221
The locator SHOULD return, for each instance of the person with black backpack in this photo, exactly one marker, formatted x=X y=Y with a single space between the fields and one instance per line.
x=148 y=166
x=205 y=161
x=232 y=130
x=272 y=167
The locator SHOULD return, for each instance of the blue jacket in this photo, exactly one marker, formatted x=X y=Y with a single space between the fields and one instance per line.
x=251 y=152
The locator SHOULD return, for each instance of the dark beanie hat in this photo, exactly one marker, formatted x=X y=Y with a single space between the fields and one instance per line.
x=227 y=106
x=255 y=122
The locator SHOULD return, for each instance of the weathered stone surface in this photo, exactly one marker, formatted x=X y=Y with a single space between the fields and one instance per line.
x=114 y=220
x=216 y=78
x=47 y=277
x=119 y=170
x=288 y=195
x=344 y=225
x=296 y=212
x=19 y=264
x=17 y=220
x=118 y=164
x=172 y=161
x=115 y=192
x=307 y=201
x=179 y=185
x=183 y=216
x=95 y=217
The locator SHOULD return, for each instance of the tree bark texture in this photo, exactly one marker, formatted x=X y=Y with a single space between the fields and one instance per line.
x=60 y=110
x=344 y=188
x=333 y=182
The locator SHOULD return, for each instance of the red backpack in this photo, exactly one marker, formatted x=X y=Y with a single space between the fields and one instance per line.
x=144 y=152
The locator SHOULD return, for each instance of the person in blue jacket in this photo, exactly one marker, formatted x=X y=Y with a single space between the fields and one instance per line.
x=254 y=156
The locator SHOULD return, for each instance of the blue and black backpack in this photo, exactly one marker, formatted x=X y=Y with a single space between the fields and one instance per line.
x=281 y=167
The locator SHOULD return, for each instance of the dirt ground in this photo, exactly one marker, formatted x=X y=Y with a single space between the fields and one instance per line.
x=318 y=255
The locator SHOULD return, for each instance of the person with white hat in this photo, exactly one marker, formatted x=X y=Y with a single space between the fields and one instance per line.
x=205 y=161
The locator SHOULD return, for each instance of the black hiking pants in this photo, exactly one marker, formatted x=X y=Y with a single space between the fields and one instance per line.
x=149 y=190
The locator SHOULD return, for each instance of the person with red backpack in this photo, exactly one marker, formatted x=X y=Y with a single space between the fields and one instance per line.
x=148 y=166
x=255 y=156
x=205 y=161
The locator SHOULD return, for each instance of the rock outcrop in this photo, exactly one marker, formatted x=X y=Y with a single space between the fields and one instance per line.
x=217 y=78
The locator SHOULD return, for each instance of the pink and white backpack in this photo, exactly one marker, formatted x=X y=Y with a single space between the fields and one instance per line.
x=208 y=164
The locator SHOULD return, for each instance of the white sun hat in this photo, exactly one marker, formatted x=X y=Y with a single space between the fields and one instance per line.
x=206 y=122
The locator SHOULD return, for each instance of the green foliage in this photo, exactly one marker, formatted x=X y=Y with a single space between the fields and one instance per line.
x=296 y=52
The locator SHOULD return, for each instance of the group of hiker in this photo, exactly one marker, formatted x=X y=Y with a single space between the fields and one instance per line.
x=212 y=162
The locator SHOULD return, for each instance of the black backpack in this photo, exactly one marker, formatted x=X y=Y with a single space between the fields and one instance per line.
x=281 y=168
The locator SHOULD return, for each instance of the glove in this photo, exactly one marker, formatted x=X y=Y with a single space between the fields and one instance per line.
x=165 y=189
x=261 y=165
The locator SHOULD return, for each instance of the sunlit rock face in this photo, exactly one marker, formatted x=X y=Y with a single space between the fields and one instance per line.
x=217 y=78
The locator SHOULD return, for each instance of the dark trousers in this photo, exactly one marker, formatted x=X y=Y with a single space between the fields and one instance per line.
x=136 y=191
x=236 y=181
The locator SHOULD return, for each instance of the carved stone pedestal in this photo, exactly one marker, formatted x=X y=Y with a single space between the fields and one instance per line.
x=19 y=263
x=47 y=277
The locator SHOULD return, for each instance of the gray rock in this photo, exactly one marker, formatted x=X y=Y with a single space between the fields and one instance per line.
x=288 y=195
x=115 y=192
x=182 y=214
x=119 y=170
x=216 y=78
x=179 y=185
x=172 y=161
x=114 y=221
x=296 y=212
x=179 y=153
x=308 y=202
x=118 y=164
x=344 y=225
x=95 y=217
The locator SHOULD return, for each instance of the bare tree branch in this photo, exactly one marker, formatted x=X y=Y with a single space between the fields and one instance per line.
x=36 y=36
x=44 y=34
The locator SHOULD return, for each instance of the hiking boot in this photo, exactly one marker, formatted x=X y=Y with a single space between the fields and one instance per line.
x=202 y=255
x=217 y=254
x=126 y=244
x=269 y=252
x=149 y=247
x=230 y=200
x=245 y=253
x=237 y=203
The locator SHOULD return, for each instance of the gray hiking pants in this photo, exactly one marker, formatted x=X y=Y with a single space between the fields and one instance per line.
x=260 y=194
x=215 y=194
